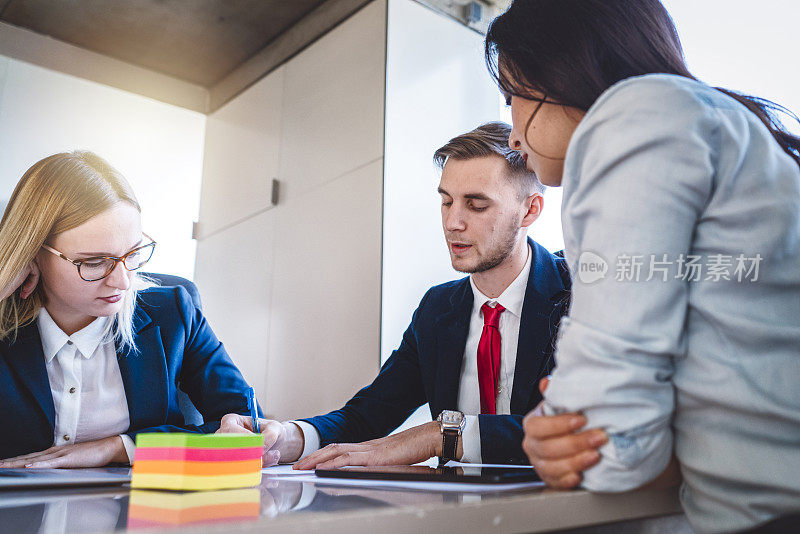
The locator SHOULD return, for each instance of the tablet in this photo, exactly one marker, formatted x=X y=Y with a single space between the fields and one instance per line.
x=422 y=473
x=17 y=478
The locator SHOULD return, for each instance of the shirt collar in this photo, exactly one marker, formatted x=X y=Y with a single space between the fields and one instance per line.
x=513 y=298
x=86 y=340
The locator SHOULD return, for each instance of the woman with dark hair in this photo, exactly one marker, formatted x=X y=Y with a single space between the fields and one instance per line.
x=681 y=213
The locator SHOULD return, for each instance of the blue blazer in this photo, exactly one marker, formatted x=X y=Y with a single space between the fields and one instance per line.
x=176 y=346
x=426 y=367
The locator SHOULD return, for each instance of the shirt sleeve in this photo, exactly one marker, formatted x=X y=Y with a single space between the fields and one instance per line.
x=310 y=438
x=130 y=447
x=307 y=494
x=471 y=440
x=638 y=174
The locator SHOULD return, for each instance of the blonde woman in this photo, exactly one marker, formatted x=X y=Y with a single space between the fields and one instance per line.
x=90 y=354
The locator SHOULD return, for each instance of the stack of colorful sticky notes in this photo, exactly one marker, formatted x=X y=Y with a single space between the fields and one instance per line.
x=197 y=461
x=159 y=508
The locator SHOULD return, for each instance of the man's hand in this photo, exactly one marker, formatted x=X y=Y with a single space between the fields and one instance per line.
x=404 y=448
x=556 y=449
x=282 y=441
x=90 y=454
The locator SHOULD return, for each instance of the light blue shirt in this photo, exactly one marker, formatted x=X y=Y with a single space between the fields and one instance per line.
x=664 y=174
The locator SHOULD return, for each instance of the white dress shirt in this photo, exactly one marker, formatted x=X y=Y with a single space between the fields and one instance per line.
x=469 y=397
x=86 y=384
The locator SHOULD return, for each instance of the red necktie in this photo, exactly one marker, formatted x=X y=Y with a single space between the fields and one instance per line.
x=489 y=357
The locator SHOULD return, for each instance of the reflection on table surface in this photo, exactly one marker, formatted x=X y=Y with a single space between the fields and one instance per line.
x=67 y=510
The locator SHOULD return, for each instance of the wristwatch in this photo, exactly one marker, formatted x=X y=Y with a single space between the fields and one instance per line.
x=451 y=424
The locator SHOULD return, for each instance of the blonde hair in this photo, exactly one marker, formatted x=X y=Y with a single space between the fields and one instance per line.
x=56 y=194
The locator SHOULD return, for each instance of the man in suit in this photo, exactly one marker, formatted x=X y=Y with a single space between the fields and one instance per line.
x=476 y=347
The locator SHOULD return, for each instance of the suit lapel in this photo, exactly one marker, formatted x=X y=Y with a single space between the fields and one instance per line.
x=451 y=330
x=534 y=336
x=144 y=374
x=540 y=315
x=26 y=357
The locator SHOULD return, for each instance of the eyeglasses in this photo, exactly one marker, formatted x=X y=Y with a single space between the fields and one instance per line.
x=94 y=269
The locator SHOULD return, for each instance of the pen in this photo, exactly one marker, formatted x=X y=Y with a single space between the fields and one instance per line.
x=252 y=405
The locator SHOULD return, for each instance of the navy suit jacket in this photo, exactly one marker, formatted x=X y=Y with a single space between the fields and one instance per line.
x=426 y=367
x=176 y=345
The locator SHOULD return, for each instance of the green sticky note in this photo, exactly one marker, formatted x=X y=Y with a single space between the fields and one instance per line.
x=199 y=441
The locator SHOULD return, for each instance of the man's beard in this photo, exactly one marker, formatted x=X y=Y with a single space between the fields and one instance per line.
x=496 y=256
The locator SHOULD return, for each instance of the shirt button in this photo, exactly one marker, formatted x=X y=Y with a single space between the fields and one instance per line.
x=72 y=389
x=66 y=437
x=69 y=342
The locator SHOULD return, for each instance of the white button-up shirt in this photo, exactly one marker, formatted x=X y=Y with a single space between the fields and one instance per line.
x=86 y=384
x=469 y=397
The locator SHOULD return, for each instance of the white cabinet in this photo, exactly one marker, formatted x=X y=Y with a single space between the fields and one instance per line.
x=334 y=101
x=294 y=290
x=325 y=306
x=234 y=275
x=242 y=154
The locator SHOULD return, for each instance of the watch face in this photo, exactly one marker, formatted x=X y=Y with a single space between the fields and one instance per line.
x=451 y=417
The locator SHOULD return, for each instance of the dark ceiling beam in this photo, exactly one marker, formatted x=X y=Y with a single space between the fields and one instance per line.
x=307 y=30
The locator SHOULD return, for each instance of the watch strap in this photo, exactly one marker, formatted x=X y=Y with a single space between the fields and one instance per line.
x=449 y=445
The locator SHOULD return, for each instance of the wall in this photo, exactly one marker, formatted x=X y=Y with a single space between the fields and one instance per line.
x=437 y=87
x=739 y=45
x=158 y=147
x=294 y=290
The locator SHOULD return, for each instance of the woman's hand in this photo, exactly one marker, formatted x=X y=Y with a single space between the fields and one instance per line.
x=90 y=454
x=27 y=278
x=556 y=449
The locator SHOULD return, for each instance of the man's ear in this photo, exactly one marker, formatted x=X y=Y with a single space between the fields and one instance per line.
x=534 y=205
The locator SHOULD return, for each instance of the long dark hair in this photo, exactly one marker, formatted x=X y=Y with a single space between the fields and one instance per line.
x=573 y=50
